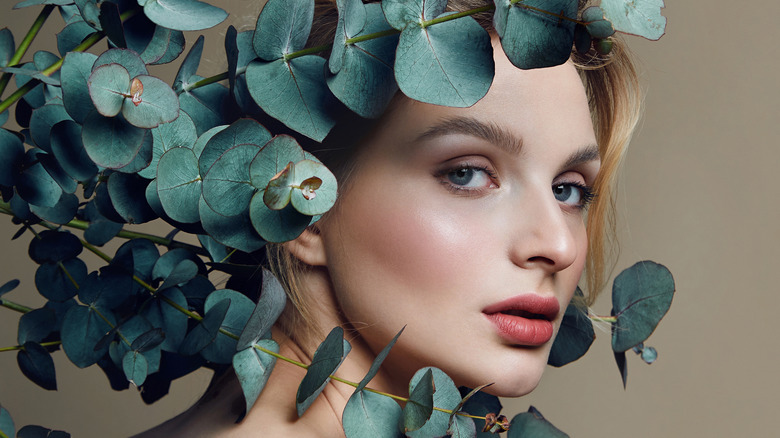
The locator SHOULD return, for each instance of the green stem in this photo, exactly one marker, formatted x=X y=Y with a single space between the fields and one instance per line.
x=14 y=306
x=25 y=44
x=371 y=36
x=308 y=51
x=597 y=318
x=21 y=347
x=543 y=11
x=457 y=15
x=206 y=81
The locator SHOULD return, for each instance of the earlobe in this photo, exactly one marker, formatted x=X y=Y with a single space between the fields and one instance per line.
x=309 y=247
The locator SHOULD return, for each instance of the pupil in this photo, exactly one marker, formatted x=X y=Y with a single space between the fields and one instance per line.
x=461 y=176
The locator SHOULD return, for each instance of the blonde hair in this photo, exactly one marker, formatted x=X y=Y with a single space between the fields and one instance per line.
x=614 y=98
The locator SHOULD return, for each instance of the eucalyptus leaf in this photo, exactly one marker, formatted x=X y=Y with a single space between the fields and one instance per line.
x=68 y=149
x=154 y=103
x=74 y=76
x=173 y=323
x=277 y=225
x=111 y=23
x=638 y=18
x=57 y=173
x=43 y=119
x=419 y=408
x=270 y=305
x=111 y=142
x=622 y=364
x=36 y=325
x=128 y=198
x=72 y=35
x=81 y=330
x=179 y=133
x=209 y=106
x=36 y=363
x=371 y=415
x=223 y=348
x=11 y=157
x=232 y=231
x=326 y=360
x=533 y=39
x=532 y=424
x=273 y=158
x=227 y=186
x=167 y=263
x=32 y=431
x=8 y=286
x=220 y=139
x=179 y=184
x=165 y=46
x=253 y=368
x=295 y=93
x=53 y=246
x=184 y=271
x=148 y=340
x=109 y=86
x=59 y=281
x=126 y=58
x=377 y=363
x=107 y=290
x=35 y=185
x=445 y=397
x=6 y=423
x=136 y=367
x=283 y=27
x=138 y=257
x=597 y=26
x=315 y=188
x=575 y=334
x=26 y=3
x=189 y=66
x=7 y=46
x=35 y=74
x=641 y=296
x=206 y=331
x=183 y=14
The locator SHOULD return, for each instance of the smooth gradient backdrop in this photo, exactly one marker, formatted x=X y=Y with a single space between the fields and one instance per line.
x=699 y=194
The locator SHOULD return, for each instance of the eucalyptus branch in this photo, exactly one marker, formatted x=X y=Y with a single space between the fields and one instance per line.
x=520 y=4
x=206 y=81
x=90 y=41
x=234 y=336
x=5 y=208
x=25 y=44
x=21 y=347
x=597 y=318
x=14 y=306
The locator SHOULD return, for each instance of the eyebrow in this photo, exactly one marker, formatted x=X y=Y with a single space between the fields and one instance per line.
x=502 y=138
x=475 y=128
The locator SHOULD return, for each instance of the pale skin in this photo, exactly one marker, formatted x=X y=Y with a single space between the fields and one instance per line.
x=448 y=211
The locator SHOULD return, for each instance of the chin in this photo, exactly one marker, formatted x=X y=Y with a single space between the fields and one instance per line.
x=514 y=378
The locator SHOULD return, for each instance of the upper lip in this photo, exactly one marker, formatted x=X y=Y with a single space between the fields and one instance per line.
x=531 y=306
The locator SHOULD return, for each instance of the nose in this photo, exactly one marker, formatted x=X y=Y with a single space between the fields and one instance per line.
x=544 y=235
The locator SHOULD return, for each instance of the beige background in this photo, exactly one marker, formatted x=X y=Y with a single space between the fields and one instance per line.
x=700 y=194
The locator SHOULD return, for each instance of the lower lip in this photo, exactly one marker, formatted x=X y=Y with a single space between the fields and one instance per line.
x=522 y=331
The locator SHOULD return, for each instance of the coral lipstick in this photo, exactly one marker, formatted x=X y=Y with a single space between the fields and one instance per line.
x=524 y=319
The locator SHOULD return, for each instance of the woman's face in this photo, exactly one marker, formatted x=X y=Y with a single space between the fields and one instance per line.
x=466 y=226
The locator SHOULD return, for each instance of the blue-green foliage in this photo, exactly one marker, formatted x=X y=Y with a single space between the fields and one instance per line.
x=104 y=143
x=532 y=424
x=575 y=334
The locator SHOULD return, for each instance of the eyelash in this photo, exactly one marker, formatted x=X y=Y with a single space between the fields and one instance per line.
x=587 y=194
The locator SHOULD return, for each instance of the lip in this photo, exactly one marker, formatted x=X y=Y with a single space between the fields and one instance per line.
x=524 y=319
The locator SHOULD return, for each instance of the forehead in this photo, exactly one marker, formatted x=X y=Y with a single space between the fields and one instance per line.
x=540 y=106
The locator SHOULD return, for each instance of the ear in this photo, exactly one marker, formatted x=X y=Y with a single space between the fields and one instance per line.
x=309 y=247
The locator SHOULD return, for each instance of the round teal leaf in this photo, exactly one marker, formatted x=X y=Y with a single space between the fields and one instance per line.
x=227 y=186
x=11 y=157
x=111 y=142
x=142 y=158
x=137 y=328
x=55 y=284
x=8 y=287
x=153 y=199
x=166 y=45
x=58 y=174
x=209 y=106
x=128 y=197
x=641 y=296
x=7 y=423
x=363 y=77
x=533 y=39
x=314 y=188
x=166 y=264
x=371 y=415
x=178 y=133
x=136 y=367
x=36 y=325
x=532 y=424
x=184 y=14
x=462 y=427
x=295 y=93
x=137 y=256
x=74 y=75
x=575 y=334
x=154 y=104
x=42 y=120
x=419 y=408
x=277 y=225
x=53 y=246
x=126 y=58
x=253 y=367
x=637 y=18
x=111 y=23
x=232 y=231
x=377 y=363
x=109 y=86
x=81 y=330
x=183 y=272
x=72 y=35
x=450 y=63
x=402 y=13
x=100 y=229
x=43 y=59
x=446 y=396
x=67 y=147
x=206 y=331
x=179 y=184
x=36 y=363
x=273 y=158
x=62 y=212
x=326 y=360
x=270 y=305
x=219 y=139
x=172 y=322
x=283 y=27
x=189 y=67
x=107 y=290
x=35 y=185
x=277 y=194
x=223 y=348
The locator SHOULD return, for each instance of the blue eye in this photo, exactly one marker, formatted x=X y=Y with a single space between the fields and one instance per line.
x=469 y=178
x=573 y=194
